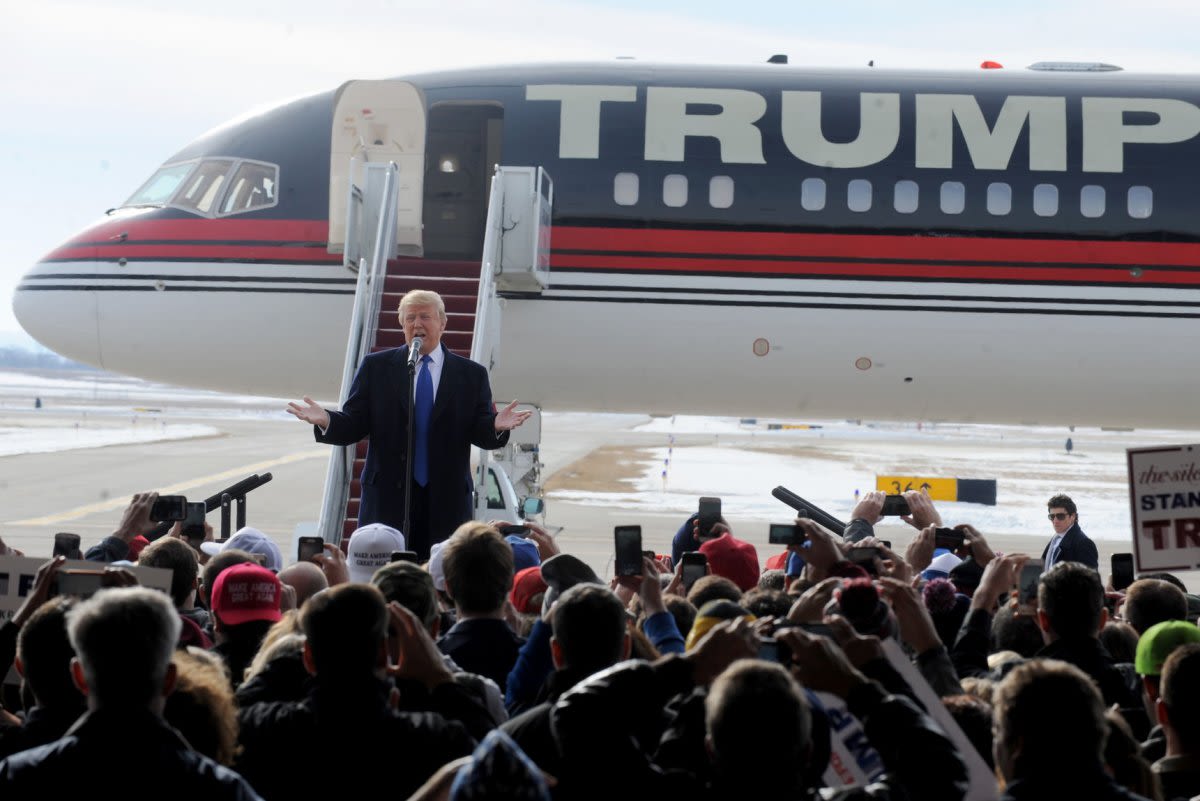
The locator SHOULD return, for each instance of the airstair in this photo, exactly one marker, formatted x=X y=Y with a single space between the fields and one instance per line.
x=516 y=253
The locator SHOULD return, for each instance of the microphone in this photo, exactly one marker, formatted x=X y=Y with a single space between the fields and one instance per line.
x=414 y=352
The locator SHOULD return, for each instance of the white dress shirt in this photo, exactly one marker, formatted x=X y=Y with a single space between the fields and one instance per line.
x=1052 y=553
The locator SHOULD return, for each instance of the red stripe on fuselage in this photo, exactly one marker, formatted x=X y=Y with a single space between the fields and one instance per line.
x=688 y=251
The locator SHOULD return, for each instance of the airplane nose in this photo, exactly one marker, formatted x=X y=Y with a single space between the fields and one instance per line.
x=60 y=311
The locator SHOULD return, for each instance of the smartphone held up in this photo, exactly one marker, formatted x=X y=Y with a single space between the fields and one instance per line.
x=708 y=515
x=693 y=566
x=787 y=534
x=627 y=542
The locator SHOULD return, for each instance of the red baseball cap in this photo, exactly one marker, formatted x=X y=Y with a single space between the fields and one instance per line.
x=527 y=584
x=246 y=592
x=733 y=559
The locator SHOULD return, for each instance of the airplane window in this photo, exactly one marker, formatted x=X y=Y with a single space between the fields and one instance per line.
x=906 y=197
x=720 y=192
x=158 y=190
x=202 y=186
x=1091 y=201
x=1045 y=200
x=858 y=195
x=625 y=188
x=1141 y=202
x=675 y=188
x=253 y=187
x=812 y=194
x=954 y=197
x=999 y=199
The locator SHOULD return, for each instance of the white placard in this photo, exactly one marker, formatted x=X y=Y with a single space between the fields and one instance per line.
x=852 y=760
x=17 y=574
x=982 y=780
x=1164 y=499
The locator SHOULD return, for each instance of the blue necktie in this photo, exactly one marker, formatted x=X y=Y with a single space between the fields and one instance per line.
x=423 y=410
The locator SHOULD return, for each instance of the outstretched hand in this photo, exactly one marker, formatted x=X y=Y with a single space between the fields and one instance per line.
x=509 y=418
x=310 y=412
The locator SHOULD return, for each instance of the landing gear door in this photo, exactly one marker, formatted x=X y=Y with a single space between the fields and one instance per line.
x=378 y=122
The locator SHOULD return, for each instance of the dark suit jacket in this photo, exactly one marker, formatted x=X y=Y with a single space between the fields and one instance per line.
x=463 y=415
x=1075 y=547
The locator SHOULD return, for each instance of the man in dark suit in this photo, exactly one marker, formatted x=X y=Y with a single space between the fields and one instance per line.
x=453 y=411
x=1069 y=543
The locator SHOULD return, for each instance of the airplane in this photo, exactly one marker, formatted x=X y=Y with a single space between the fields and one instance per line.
x=991 y=246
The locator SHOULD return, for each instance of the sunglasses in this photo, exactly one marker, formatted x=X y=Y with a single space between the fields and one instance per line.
x=1058 y=516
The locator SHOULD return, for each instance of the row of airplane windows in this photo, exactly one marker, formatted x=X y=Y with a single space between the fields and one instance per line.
x=860 y=196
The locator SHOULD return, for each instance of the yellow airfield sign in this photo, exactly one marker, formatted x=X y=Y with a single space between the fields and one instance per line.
x=966 y=490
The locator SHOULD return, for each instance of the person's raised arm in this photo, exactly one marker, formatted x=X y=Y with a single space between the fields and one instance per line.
x=822 y=553
x=920 y=550
x=135 y=521
x=547 y=547
x=353 y=422
x=43 y=588
x=976 y=545
x=333 y=564
x=919 y=633
x=660 y=625
x=970 y=648
x=867 y=512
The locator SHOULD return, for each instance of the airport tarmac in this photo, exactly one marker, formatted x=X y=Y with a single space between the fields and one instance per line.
x=600 y=470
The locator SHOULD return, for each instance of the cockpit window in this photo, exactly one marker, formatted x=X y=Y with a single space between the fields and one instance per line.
x=253 y=187
x=216 y=187
x=200 y=190
x=161 y=186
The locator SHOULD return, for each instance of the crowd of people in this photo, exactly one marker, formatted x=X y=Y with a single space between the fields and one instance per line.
x=504 y=667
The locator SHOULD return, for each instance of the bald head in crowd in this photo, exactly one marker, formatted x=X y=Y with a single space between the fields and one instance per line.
x=305 y=578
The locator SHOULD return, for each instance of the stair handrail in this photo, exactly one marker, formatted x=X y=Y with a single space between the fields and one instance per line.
x=485 y=307
x=381 y=191
x=489 y=263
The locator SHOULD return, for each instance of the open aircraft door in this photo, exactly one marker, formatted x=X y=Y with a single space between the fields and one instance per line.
x=378 y=121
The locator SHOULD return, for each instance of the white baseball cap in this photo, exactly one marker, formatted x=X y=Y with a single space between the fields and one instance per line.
x=252 y=541
x=370 y=548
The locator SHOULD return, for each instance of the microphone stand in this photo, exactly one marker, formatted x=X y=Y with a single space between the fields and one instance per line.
x=408 y=460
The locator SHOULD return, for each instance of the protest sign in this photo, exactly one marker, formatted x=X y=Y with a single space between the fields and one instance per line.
x=1164 y=498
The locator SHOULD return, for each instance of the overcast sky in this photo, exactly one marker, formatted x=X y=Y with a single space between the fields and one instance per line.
x=95 y=95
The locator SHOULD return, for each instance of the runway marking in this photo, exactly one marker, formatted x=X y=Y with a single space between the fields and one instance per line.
x=122 y=501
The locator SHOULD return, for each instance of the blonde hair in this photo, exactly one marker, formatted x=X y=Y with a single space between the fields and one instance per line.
x=202 y=707
x=281 y=631
x=422 y=297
